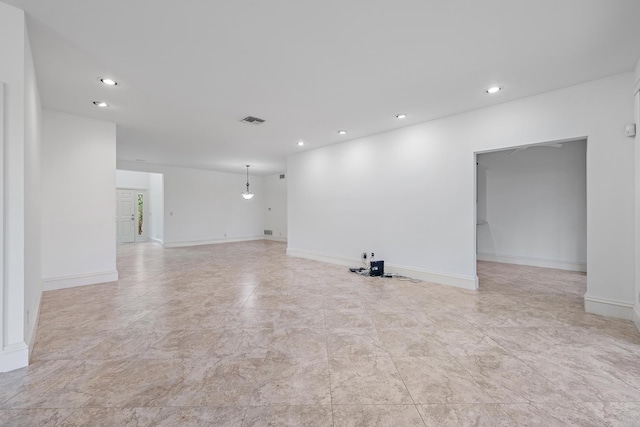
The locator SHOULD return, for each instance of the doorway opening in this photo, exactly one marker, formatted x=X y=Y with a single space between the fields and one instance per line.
x=531 y=207
x=139 y=206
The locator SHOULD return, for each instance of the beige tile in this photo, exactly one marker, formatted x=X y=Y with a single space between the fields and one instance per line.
x=439 y=380
x=298 y=344
x=225 y=382
x=509 y=380
x=462 y=415
x=182 y=344
x=293 y=416
x=201 y=416
x=412 y=342
x=107 y=417
x=365 y=381
x=552 y=414
x=292 y=382
x=467 y=342
x=346 y=321
x=616 y=414
x=376 y=416
x=354 y=345
x=33 y=417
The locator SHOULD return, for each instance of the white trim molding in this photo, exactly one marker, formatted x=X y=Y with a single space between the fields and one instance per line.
x=608 y=307
x=53 y=283
x=276 y=238
x=34 y=314
x=14 y=356
x=458 y=281
x=534 y=262
x=211 y=241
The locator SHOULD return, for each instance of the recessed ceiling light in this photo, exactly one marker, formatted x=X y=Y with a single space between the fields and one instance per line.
x=493 y=89
x=100 y=104
x=342 y=132
x=109 y=82
x=400 y=116
x=300 y=143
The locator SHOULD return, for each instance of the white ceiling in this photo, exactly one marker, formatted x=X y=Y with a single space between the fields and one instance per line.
x=189 y=70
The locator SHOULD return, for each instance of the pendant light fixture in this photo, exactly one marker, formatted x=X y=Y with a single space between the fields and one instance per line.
x=248 y=195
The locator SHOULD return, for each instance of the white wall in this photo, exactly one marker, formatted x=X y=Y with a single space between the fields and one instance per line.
x=33 y=195
x=202 y=207
x=13 y=348
x=156 y=207
x=275 y=212
x=132 y=179
x=532 y=206
x=78 y=186
x=636 y=92
x=409 y=194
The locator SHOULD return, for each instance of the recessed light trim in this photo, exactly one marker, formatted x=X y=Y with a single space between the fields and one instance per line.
x=300 y=143
x=493 y=89
x=100 y=104
x=401 y=116
x=342 y=132
x=109 y=82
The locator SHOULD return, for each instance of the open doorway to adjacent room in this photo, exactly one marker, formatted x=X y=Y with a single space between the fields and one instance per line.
x=139 y=206
x=531 y=210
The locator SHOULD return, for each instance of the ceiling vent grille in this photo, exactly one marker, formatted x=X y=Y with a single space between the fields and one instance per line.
x=253 y=120
x=281 y=176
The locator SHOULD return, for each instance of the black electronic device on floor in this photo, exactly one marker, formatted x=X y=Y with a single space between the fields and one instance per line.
x=376 y=268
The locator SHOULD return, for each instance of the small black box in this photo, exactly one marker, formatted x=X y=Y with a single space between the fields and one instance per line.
x=377 y=268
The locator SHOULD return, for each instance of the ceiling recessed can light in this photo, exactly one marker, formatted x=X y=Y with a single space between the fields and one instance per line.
x=342 y=132
x=109 y=82
x=300 y=143
x=493 y=89
x=100 y=104
x=400 y=116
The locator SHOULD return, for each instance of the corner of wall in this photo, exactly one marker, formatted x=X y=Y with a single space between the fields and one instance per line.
x=14 y=356
x=608 y=307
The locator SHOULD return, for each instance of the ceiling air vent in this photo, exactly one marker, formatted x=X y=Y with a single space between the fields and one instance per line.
x=281 y=176
x=253 y=120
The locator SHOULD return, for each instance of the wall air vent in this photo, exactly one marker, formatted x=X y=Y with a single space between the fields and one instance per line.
x=268 y=232
x=253 y=120
x=281 y=176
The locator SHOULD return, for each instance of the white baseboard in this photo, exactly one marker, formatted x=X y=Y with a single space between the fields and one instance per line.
x=636 y=316
x=14 y=356
x=53 y=283
x=275 y=238
x=534 y=262
x=211 y=241
x=34 y=313
x=155 y=240
x=458 y=281
x=609 y=308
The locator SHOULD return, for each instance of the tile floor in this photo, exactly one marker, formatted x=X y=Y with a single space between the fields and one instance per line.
x=242 y=335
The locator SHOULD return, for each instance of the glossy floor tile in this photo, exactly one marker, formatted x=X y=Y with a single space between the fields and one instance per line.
x=240 y=334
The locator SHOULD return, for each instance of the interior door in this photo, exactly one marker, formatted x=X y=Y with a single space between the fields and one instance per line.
x=125 y=215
